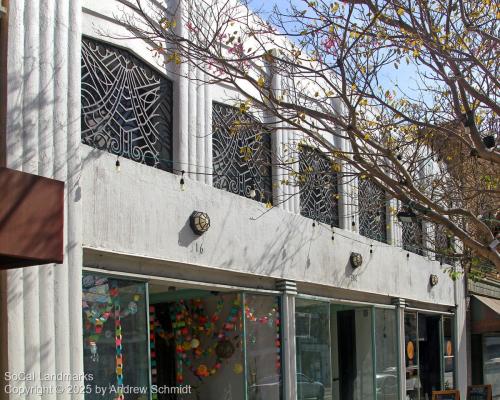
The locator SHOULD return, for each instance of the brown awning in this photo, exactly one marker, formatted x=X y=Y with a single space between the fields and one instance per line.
x=485 y=314
x=493 y=304
x=31 y=219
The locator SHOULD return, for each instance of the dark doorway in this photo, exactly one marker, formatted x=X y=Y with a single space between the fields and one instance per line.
x=346 y=326
x=430 y=354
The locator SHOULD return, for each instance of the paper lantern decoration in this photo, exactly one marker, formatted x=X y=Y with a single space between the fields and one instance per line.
x=238 y=368
x=224 y=349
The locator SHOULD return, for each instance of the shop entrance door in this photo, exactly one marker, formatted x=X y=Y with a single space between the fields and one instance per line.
x=430 y=354
x=351 y=353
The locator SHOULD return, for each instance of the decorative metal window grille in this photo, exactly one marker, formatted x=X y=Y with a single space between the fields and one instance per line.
x=126 y=106
x=372 y=212
x=319 y=187
x=412 y=233
x=241 y=148
x=443 y=245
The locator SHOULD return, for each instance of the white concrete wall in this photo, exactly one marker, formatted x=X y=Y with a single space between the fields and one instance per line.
x=44 y=329
x=142 y=211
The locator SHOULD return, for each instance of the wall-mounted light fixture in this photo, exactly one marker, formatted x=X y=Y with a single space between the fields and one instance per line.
x=356 y=260
x=407 y=216
x=200 y=222
x=433 y=280
x=489 y=141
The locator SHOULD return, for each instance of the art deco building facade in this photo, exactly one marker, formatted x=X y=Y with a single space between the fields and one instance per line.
x=317 y=297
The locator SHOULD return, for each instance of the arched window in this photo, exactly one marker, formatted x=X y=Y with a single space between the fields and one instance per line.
x=126 y=105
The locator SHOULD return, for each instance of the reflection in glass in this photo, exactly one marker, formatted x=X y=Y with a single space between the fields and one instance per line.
x=448 y=352
x=386 y=351
x=491 y=360
x=115 y=337
x=312 y=320
x=411 y=356
x=363 y=381
x=263 y=341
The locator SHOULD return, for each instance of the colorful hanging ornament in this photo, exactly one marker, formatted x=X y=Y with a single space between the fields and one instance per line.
x=114 y=292
x=238 y=368
x=94 y=355
x=152 y=341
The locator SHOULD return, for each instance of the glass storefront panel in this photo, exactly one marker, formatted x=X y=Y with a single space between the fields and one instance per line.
x=312 y=326
x=263 y=347
x=448 y=353
x=198 y=342
x=363 y=371
x=411 y=357
x=115 y=336
x=491 y=363
x=386 y=345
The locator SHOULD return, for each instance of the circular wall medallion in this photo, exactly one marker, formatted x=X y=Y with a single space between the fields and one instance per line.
x=410 y=350
x=449 y=348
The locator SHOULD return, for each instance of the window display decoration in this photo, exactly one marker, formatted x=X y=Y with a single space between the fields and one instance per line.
x=114 y=293
x=152 y=345
x=410 y=350
x=270 y=319
x=102 y=301
x=191 y=323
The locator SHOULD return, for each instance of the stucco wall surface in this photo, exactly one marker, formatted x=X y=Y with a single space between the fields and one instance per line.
x=143 y=211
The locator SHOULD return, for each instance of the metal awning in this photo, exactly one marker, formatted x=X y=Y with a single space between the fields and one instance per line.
x=493 y=304
x=485 y=314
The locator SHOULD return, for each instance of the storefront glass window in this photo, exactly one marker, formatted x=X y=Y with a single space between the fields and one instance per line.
x=363 y=372
x=312 y=325
x=448 y=353
x=263 y=347
x=387 y=356
x=115 y=337
x=198 y=342
x=411 y=356
x=491 y=363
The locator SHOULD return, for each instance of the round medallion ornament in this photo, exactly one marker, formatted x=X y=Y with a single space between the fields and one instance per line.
x=449 y=348
x=200 y=222
x=224 y=349
x=433 y=280
x=410 y=350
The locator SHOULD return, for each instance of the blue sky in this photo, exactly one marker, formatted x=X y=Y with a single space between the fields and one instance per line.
x=402 y=76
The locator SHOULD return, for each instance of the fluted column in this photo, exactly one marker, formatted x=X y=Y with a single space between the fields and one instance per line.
x=43 y=303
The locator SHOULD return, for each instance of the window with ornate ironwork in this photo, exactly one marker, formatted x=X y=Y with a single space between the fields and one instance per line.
x=319 y=186
x=443 y=245
x=412 y=235
x=241 y=148
x=372 y=210
x=126 y=105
